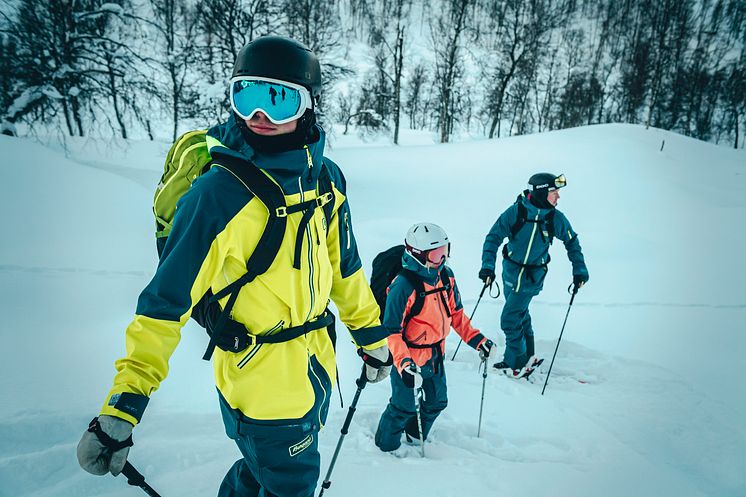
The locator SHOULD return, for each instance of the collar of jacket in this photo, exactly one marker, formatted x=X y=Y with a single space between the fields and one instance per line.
x=428 y=275
x=531 y=209
x=285 y=167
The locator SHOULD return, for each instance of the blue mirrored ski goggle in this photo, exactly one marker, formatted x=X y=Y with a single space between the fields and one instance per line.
x=280 y=101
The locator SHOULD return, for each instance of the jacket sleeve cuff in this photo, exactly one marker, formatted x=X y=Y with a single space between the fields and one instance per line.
x=476 y=341
x=127 y=406
x=367 y=337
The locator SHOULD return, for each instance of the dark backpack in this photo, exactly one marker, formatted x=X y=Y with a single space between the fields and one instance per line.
x=189 y=159
x=386 y=266
x=546 y=225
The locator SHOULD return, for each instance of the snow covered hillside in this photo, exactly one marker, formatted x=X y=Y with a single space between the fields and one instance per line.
x=656 y=337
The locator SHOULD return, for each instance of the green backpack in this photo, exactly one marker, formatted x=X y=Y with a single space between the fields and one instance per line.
x=186 y=161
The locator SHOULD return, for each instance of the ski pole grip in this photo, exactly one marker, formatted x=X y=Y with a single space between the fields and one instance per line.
x=484 y=288
x=363 y=380
x=134 y=477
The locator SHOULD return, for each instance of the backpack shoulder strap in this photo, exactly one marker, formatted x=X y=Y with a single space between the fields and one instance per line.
x=520 y=219
x=447 y=287
x=270 y=194
x=419 y=296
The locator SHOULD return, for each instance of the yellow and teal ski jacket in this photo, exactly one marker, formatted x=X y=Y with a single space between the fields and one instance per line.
x=217 y=225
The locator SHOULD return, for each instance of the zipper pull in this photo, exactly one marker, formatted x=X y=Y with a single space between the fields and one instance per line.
x=310 y=163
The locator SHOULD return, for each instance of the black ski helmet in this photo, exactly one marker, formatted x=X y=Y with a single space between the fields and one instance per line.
x=280 y=58
x=542 y=183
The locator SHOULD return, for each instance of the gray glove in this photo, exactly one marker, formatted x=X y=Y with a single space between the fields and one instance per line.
x=377 y=363
x=105 y=445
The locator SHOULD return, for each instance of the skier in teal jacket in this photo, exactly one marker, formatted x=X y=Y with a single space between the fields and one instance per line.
x=530 y=225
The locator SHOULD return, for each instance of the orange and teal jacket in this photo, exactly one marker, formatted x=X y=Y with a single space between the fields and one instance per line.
x=216 y=228
x=423 y=339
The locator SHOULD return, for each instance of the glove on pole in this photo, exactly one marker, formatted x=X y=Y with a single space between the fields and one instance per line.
x=574 y=292
x=472 y=316
x=360 y=382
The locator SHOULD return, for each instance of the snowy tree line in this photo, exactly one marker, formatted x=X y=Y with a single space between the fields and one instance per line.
x=490 y=67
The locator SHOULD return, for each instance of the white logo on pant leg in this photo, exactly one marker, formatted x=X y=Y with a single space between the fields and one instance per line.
x=300 y=446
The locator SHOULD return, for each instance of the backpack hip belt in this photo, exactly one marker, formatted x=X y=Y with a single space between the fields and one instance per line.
x=237 y=338
x=436 y=348
x=422 y=345
x=527 y=266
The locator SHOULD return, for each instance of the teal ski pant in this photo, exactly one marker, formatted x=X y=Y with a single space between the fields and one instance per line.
x=400 y=414
x=515 y=322
x=278 y=461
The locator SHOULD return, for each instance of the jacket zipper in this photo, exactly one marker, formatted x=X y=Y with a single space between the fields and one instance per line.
x=347 y=228
x=528 y=251
x=310 y=163
x=443 y=315
x=309 y=237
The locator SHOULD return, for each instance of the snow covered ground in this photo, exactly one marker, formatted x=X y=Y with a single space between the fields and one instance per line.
x=657 y=337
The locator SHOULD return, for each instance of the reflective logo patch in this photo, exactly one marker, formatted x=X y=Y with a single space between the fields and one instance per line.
x=114 y=399
x=300 y=446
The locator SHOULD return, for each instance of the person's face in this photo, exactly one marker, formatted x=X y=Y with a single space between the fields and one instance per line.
x=553 y=197
x=261 y=125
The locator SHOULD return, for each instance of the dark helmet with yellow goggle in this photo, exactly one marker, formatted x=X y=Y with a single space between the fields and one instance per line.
x=546 y=182
x=540 y=185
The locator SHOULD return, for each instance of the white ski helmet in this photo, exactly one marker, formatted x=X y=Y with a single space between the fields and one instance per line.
x=421 y=241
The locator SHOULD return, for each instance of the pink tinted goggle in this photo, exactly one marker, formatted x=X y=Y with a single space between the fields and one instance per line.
x=437 y=256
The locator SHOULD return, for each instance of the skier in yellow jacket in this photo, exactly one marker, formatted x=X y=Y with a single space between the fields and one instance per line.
x=275 y=374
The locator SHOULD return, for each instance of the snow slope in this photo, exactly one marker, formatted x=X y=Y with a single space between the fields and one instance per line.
x=657 y=336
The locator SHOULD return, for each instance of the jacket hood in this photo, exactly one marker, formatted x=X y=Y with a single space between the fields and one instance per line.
x=531 y=209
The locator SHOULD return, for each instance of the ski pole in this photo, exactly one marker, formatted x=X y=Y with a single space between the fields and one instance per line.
x=472 y=315
x=481 y=403
x=417 y=399
x=135 y=478
x=360 y=382
x=574 y=292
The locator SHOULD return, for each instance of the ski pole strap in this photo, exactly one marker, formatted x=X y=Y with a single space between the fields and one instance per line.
x=136 y=479
x=114 y=445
